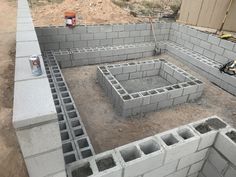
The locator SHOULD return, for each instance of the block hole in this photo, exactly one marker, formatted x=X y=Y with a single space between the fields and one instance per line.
x=198 y=81
x=152 y=92
x=185 y=133
x=52 y=85
x=55 y=96
x=56 y=102
x=75 y=123
x=57 y=75
x=169 y=88
x=86 y=153
x=149 y=147
x=160 y=90
x=215 y=123
x=56 y=71
x=106 y=163
x=70 y=107
x=69 y=158
x=67 y=147
x=63 y=89
x=121 y=92
x=78 y=132
x=64 y=95
x=72 y=115
x=203 y=128
x=58 y=109
x=62 y=126
x=185 y=85
x=176 y=86
x=61 y=84
x=232 y=135
x=60 y=117
x=135 y=95
x=145 y=93
x=191 y=83
x=130 y=154
x=169 y=139
x=59 y=79
x=113 y=82
x=118 y=87
x=126 y=97
x=53 y=90
x=67 y=100
x=65 y=136
x=83 y=143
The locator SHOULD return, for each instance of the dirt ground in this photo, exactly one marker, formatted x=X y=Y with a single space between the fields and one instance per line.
x=11 y=162
x=90 y=12
x=107 y=130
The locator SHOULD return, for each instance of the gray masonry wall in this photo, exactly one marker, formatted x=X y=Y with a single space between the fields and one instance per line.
x=34 y=113
x=86 y=36
x=183 y=87
x=185 y=151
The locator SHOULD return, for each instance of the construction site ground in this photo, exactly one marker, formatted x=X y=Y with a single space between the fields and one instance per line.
x=106 y=129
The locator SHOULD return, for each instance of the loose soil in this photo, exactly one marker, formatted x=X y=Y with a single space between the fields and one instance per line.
x=107 y=130
x=11 y=161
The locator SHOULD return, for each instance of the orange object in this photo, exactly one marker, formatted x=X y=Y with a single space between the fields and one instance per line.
x=70 y=18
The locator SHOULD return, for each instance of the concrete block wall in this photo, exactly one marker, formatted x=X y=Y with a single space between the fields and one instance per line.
x=205 y=52
x=203 y=65
x=76 y=144
x=222 y=158
x=183 y=86
x=208 y=45
x=181 y=152
x=34 y=113
x=88 y=56
x=86 y=36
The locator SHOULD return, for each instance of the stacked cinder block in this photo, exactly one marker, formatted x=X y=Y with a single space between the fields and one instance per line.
x=180 y=152
x=183 y=86
x=86 y=36
x=76 y=144
x=204 y=52
x=84 y=45
x=34 y=113
x=88 y=56
x=222 y=158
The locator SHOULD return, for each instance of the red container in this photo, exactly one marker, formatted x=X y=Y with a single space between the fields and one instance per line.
x=70 y=18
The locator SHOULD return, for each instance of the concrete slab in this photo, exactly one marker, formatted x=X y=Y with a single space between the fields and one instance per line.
x=34 y=104
x=25 y=49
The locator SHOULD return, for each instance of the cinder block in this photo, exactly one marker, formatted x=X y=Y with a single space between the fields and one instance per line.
x=196 y=167
x=25 y=112
x=45 y=164
x=26 y=49
x=206 y=133
x=140 y=157
x=105 y=164
x=59 y=174
x=163 y=171
x=226 y=44
x=178 y=143
x=218 y=160
x=210 y=170
x=225 y=145
x=39 y=139
x=214 y=40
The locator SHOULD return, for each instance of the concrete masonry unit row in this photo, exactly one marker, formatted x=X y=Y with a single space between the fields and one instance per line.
x=183 y=86
x=76 y=144
x=200 y=148
x=204 y=52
